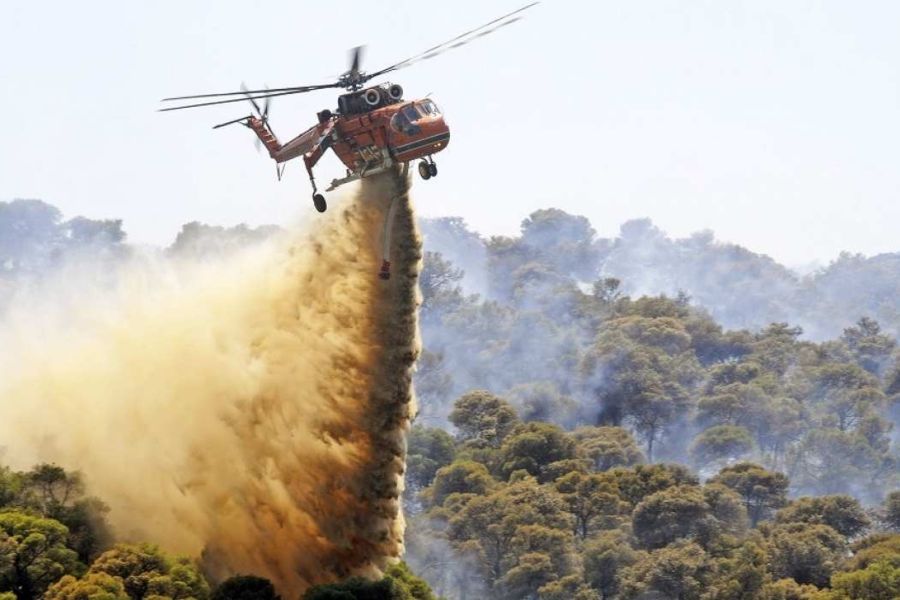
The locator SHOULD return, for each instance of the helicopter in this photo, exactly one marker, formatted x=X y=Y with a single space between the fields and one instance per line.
x=373 y=128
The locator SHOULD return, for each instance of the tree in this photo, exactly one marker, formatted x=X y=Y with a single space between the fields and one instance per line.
x=570 y=587
x=879 y=581
x=605 y=557
x=842 y=513
x=680 y=570
x=416 y=587
x=439 y=282
x=52 y=492
x=460 y=477
x=492 y=526
x=788 y=589
x=562 y=241
x=146 y=571
x=533 y=446
x=669 y=515
x=640 y=481
x=532 y=571
x=870 y=347
x=542 y=401
x=433 y=384
x=93 y=586
x=593 y=500
x=892 y=509
x=483 y=419
x=245 y=587
x=33 y=554
x=608 y=447
x=740 y=576
x=721 y=443
x=762 y=491
x=427 y=450
x=357 y=588
x=808 y=554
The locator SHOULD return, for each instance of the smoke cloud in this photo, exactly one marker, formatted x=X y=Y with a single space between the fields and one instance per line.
x=252 y=411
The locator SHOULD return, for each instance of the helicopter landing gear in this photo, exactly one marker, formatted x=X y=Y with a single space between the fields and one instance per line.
x=428 y=168
x=319 y=202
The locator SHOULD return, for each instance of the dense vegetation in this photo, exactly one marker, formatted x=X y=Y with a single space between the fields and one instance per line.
x=637 y=417
x=55 y=544
x=524 y=509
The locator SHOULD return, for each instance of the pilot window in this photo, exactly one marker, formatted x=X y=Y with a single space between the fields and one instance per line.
x=405 y=120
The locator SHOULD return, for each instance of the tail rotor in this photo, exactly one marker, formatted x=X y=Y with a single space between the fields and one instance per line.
x=261 y=113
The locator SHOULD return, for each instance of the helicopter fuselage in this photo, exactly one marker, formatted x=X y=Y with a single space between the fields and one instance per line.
x=367 y=136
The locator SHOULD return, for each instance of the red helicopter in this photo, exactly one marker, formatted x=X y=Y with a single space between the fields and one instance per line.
x=373 y=127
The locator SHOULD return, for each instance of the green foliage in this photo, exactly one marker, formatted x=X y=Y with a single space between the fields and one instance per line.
x=593 y=500
x=608 y=447
x=49 y=491
x=483 y=419
x=397 y=584
x=788 y=589
x=245 y=587
x=878 y=581
x=892 y=509
x=33 y=554
x=534 y=446
x=500 y=527
x=428 y=449
x=461 y=477
x=677 y=571
x=642 y=480
x=674 y=513
x=878 y=547
x=93 y=586
x=842 y=513
x=721 y=443
x=605 y=557
x=805 y=553
x=762 y=491
x=145 y=570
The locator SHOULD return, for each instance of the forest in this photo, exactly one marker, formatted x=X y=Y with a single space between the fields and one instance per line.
x=637 y=417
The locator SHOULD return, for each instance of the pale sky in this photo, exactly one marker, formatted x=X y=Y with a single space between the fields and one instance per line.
x=774 y=123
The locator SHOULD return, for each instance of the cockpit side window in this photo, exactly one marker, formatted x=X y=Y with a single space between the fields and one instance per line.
x=411 y=114
x=404 y=120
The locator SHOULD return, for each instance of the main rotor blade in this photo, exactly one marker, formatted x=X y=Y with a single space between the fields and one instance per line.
x=298 y=89
x=356 y=59
x=235 y=100
x=460 y=40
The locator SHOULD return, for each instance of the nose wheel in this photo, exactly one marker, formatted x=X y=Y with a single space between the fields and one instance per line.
x=319 y=202
x=427 y=170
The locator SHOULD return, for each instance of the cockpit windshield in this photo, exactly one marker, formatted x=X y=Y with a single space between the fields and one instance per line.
x=428 y=108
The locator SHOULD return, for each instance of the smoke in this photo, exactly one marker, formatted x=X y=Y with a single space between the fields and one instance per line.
x=253 y=410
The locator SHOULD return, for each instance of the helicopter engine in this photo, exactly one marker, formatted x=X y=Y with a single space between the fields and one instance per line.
x=395 y=92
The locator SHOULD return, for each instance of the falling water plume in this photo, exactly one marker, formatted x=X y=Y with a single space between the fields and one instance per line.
x=251 y=411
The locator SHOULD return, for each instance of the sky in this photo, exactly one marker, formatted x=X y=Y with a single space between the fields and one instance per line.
x=776 y=124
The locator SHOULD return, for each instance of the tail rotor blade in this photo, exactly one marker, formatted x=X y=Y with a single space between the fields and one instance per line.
x=250 y=98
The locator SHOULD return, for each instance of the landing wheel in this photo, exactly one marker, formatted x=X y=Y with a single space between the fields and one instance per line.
x=319 y=202
x=432 y=169
x=425 y=170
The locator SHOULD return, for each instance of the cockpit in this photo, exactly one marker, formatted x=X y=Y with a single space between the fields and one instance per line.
x=405 y=119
